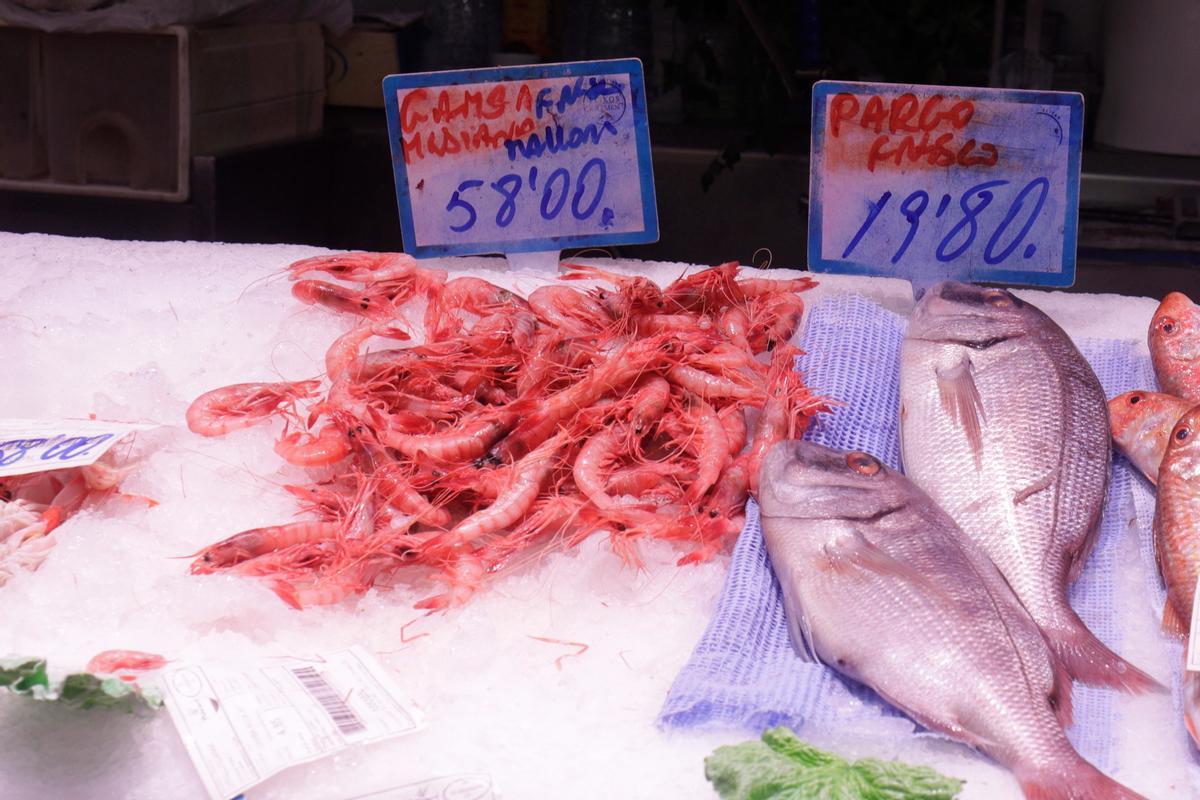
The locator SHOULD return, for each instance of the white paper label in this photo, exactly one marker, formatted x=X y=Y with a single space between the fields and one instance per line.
x=40 y=445
x=243 y=723
x=473 y=786
x=1193 y=642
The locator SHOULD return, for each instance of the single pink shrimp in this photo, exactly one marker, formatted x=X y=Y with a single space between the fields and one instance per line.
x=774 y=319
x=635 y=294
x=707 y=290
x=462 y=577
x=648 y=404
x=472 y=295
x=710 y=446
x=573 y=313
x=113 y=662
x=257 y=541
x=594 y=461
x=361 y=303
x=470 y=439
x=342 y=356
x=303 y=449
x=518 y=497
x=734 y=325
x=734 y=420
x=241 y=405
x=398 y=269
x=713 y=387
x=756 y=287
x=393 y=484
x=344 y=582
x=650 y=324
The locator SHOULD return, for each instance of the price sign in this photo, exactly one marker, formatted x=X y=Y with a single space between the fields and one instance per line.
x=522 y=159
x=41 y=445
x=933 y=182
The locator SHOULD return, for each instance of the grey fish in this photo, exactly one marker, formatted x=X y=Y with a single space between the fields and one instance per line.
x=1005 y=425
x=879 y=584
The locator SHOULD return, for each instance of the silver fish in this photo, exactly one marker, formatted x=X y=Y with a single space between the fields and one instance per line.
x=881 y=585
x=1005 y=425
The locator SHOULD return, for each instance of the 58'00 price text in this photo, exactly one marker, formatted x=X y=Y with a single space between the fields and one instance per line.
x=579 y=195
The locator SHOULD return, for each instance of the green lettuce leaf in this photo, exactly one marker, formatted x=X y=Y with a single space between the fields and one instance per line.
x=28 y=676
x=782 y=767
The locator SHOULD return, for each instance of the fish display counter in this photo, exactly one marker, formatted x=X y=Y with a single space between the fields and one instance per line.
x=524 y=535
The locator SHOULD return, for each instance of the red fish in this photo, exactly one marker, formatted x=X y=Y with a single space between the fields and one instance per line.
x=1175 y=346
x=1177 y=543
x=1141 y=424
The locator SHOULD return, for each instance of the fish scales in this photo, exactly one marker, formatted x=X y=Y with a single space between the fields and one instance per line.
x=1005 y=425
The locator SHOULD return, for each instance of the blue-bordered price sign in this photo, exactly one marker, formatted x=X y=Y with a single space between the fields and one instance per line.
x=522 y=159
x=936 y=182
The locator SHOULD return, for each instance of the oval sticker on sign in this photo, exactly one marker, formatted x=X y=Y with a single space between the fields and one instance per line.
x=935 y=182
x=522 y=159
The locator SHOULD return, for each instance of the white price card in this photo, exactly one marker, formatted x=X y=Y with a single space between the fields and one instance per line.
x=934 y=182
x=244 y=722
x=522 y=159
x=40 y=445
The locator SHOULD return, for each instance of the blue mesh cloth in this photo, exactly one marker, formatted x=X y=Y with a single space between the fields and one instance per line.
x=744 y=671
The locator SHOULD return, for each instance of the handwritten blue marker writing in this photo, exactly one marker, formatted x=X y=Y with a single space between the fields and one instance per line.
x=589 y=186
x=558 y=140
x=571 y=93
x=972 y=203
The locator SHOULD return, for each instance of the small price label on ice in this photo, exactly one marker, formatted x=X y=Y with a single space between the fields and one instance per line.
x=524 y=159
x=242 y=723
x=40 y=445
x=934 y=182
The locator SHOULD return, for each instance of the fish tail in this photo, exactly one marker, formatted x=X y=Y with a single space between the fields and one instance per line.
x=1090 y=661
x=1079 y=781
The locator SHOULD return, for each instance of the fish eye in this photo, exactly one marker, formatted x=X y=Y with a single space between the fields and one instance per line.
x=997 y=298
x=1182 y=434
x=1134 y=399
x=862 y=463
x=1167 y=325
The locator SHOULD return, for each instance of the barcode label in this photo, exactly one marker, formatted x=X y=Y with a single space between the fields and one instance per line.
x=315 y=684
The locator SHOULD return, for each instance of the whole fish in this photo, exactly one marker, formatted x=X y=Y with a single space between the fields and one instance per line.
x=1141 y=425
x=1174 y=341
x=1004 y=424
x=880 y=585
x=1177 y=543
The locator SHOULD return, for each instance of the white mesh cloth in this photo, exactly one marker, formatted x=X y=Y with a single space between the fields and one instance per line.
x=744 y=671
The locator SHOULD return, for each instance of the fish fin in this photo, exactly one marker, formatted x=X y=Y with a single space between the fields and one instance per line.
x=1171 y=621
x=949 y=727
x=1090 y=661
x=854 y=550
x=1060 y=693
x=799 y=627
x=1077 y=780
x=960 y=398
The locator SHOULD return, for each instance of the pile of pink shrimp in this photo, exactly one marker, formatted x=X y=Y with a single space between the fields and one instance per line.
x=32 y=506
x=517 y=424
